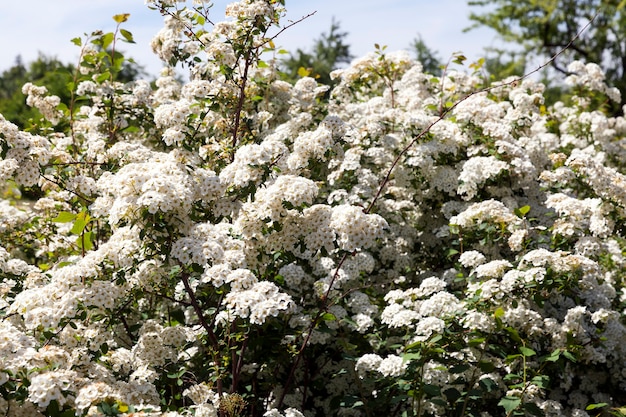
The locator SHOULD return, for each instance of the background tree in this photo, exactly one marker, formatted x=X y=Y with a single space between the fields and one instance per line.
x=543 y=28
x=429 y=59
x=329 y=50
x=44 y=70
x=500 y=64
x=53 y=74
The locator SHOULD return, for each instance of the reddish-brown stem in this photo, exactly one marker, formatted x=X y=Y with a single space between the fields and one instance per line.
x=386 y=179
x=312 y=326
x=237 y=364
x=447 y=111
x=211 y=335
x=242 y=97
x=82 y=197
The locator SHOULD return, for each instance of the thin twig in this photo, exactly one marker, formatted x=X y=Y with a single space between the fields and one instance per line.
x=212 y=338
x=386 y=179
x=447 y=111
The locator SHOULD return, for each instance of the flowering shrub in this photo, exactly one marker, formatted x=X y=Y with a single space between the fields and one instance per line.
x=236 y=245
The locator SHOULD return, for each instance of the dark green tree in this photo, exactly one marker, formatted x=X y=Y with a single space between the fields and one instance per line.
x=44 y=70
x=328 y=52
x=429 y=59
x=500 y=64
x=49 y=72
x=545 y=28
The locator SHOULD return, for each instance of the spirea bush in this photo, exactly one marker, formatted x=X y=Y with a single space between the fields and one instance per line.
x=237 y=245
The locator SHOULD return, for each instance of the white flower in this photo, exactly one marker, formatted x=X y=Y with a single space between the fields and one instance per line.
x=476 y=171
x=471 y=259
x=392 y=366
x=366 y=363
x=355 y=229
x=427 y=326
x=493 y=269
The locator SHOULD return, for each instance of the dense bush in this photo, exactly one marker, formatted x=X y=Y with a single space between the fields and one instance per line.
x=237 y=245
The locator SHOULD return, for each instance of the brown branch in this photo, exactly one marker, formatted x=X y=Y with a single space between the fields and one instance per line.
x=312 y=326
x=211 y=335
x=240 y=101
x=82 y=197
x=237 y=364
x=449 y=110
x=293 y=23
x=443 y=115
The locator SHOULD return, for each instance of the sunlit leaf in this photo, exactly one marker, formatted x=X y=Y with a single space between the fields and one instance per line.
x=121 y=18
x=128 y=37
x=510 y=403
x=64 y=217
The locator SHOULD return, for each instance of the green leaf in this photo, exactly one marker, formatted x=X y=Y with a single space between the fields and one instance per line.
x=103 y=77
x=452 y=394
x=511 y=377
x=475 y=394
x=533 y=409
x=510 y=403
x=105 y=408
x=329 y=317
x=488 y=384
x=514 y=334
x=407 y=357
x=542 y=381
x=107 y=39
x=478 y=64
x=53 y=408
x=594 y=406
x=79 y=226
x=77 y=41
x=527 y=351
x=121 y=18
x=477 y=341
x=85 y=241
x=64 y=217
x=554 y=356
x=486 y=366
x=459 y=369
x=459 y=59
x=128 y=37
x=499 y=313
x=431 y=390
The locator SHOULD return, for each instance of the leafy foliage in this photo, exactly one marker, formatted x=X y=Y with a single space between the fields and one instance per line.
x=545 y=28
x=44 y=71
x=399 y=244
x=328 y=52
x=426 y=56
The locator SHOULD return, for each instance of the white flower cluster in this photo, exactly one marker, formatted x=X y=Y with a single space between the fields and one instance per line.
x=258 y=302
x=476 y=171
x=241 y=233
x=591 y=76
x=391 y=366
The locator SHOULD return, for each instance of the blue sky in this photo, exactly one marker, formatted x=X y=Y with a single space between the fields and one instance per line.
x=30 y=27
